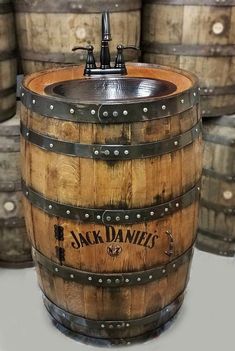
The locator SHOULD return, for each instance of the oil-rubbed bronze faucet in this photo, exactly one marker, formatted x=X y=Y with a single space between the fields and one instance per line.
x=105 y=65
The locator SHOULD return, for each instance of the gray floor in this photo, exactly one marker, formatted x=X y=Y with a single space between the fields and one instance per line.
x=206 y=320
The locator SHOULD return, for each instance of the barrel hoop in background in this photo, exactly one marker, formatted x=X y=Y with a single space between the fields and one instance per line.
x=112 y=280
x=189 y=49
x=111 y=216
x=66 y=58
x=218 y=111
x=225 y=121
x=211 y=91
x=7 y=91
x=230 y=211
x=13 y=222
x=112 y=152
x=213 y=174
x=222 y=237
x=75 y=6
x=6 y=114
x=219 y=139
x=5 y=7
x=192 y=2
x=10 y=186
x=217 y=251
x=109 y=113
x=7 y=55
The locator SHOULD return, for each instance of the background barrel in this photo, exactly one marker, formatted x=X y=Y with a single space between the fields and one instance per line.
x=15 y=249
x=217 y=211
x=197 y=35
x=48 y=30
x=7 y=61
x=111 y=205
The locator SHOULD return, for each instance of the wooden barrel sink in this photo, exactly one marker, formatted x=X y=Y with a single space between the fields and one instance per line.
x=7 y=61
x=15 y=249
x=111 y=203
x=68 y=23
x=217 y=210
x=197 y=35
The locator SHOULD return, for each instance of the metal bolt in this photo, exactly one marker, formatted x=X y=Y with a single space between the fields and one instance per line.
x=118 y=218
x=90 y=278
x=182 y=101
x=100 y=280
x=127 y=217
x=63 y=314
x=107 y=152
x=177 y=204
x=150 y=277
x=115 y=113
x=72 y=111
x=151 y=213
x=145 y=109
x=166 y=209
x=108 y=218
x=22 y=94
x=117 y=281
x=163 y=271
x=176 y=143
x=102 y=326
x=127 y=280
x=93 y=112
x=33 y=102
x=125 y=112
x=198 y=188
x=116 y=152
x=203 y=112
x=127 y=325
x=194 y=94
x=110 y=326
x=205 y=90
x=51 y=145
x=98 y=217
x=27 y=193
x=167 y=310
x=51 y=107
x=174 y=265
x=138 y=216
x=163 y=107
x=105 y=114
x=71 y=276
x=27 y=134
x=87 y=215
x=109 y=281
x=196 y=130
x=68 y=212
x=50 y=207
x=96 y=152
x=56 y=269
x=138 y=279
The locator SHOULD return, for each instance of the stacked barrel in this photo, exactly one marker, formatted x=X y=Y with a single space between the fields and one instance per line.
x=48 y=30
x=15 y=250
x=199 y=36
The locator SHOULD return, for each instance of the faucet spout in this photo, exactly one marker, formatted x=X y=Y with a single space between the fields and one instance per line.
x=106 y=32
x=106 y=37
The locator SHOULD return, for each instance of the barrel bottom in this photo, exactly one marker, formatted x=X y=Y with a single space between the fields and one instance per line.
x=115 y=333
x=215 y=246
x=16 y=265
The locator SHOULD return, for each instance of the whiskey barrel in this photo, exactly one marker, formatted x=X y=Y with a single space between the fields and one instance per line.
x=197 y=35
x=7 y=61
x=15 y=249
x=111 y=205
x=48 y=30
x=217 y=211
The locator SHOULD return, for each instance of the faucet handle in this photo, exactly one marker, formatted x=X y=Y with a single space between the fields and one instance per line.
x=120 y=61
x=90 y=61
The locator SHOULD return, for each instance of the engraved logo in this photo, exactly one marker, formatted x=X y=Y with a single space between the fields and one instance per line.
x=114 y=250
